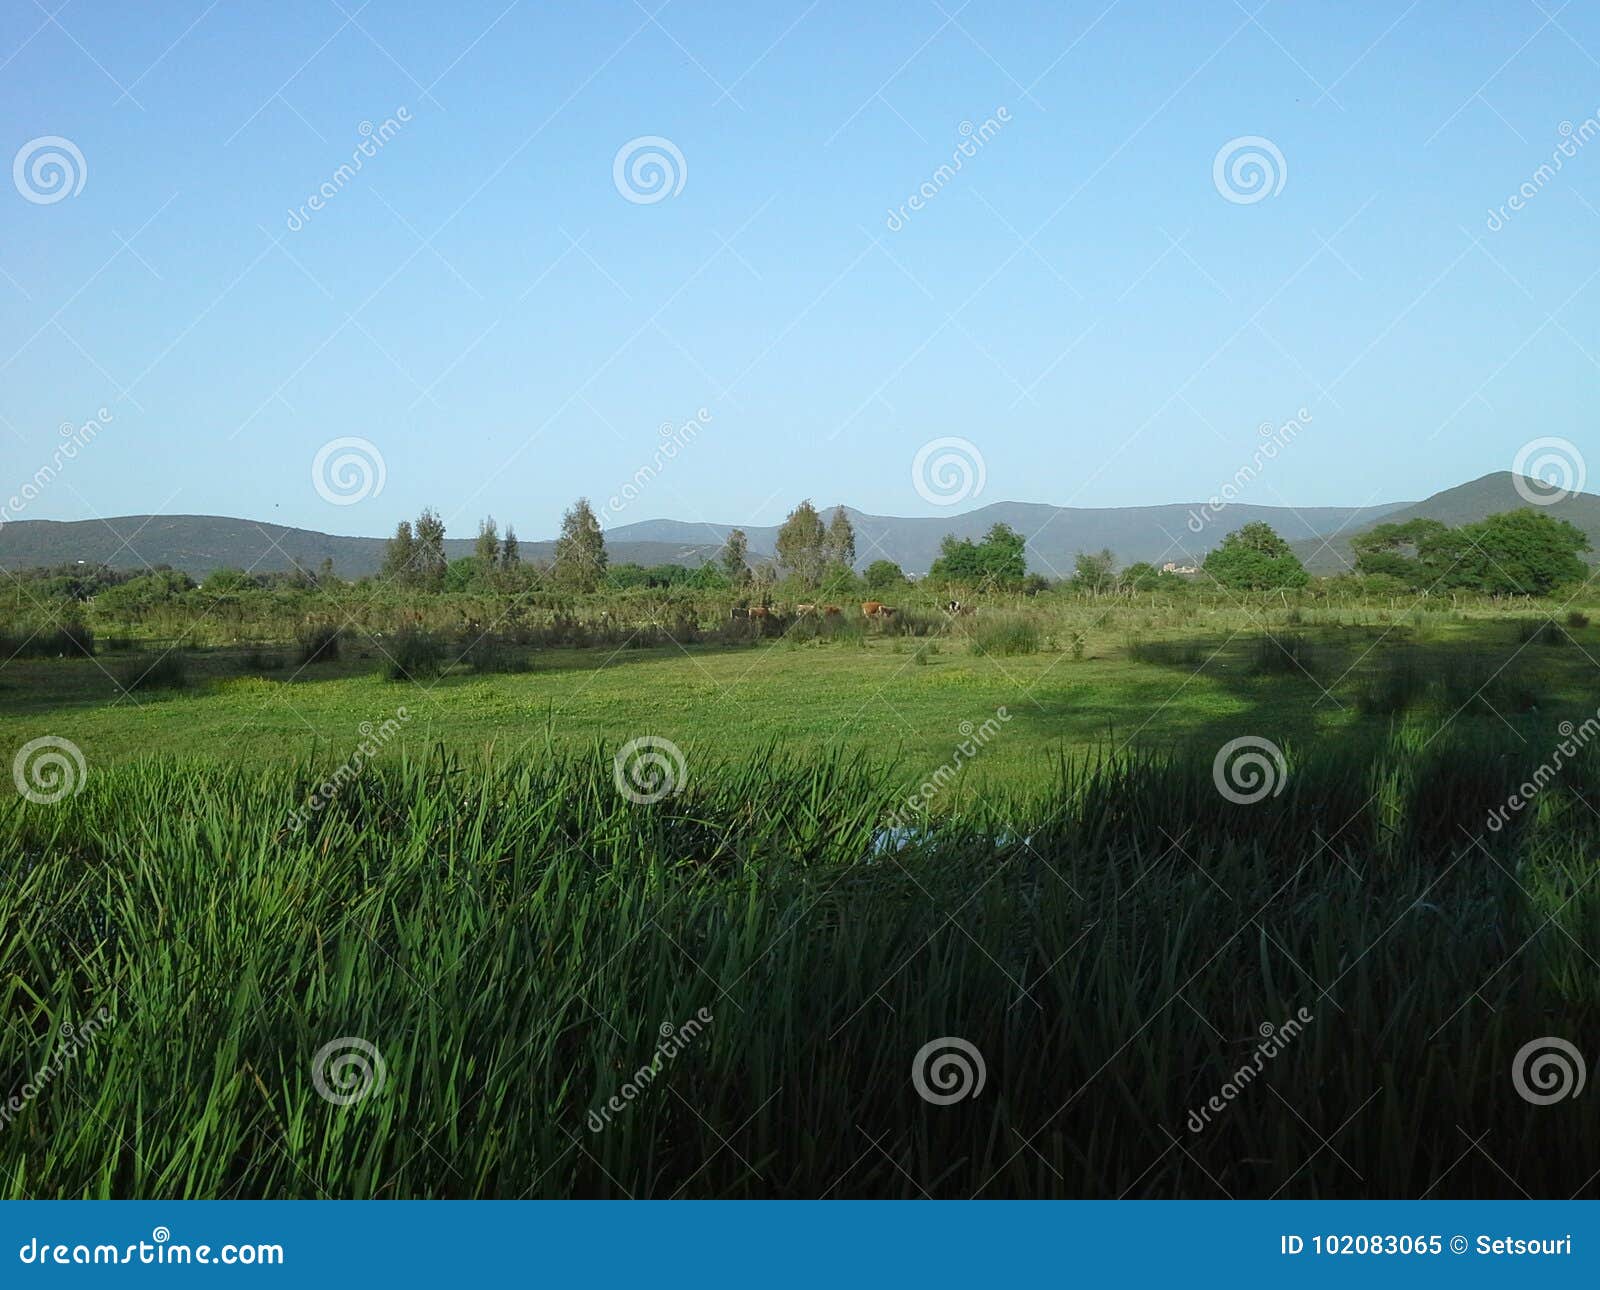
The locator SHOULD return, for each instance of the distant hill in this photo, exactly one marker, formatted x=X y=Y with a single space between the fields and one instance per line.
x=1463 y=504
x=1055 y=533
x=1320 y=535
x=197 y=544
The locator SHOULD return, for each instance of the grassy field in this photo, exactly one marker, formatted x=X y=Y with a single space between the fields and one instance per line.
x=476 y=966
x=1100 y=680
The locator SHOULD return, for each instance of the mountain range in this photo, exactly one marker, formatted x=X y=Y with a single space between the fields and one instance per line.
x=198 y=544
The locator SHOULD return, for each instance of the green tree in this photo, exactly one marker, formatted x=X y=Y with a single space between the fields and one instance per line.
x=580 y=562
x=1519 y=553
x=510 y=552
x=997 y=561
x=735 y=557
x=884 y=575
x=1097 y=572
x=400 y=555
x=802 y=544
x=1141 y=575
x=487 y=548
x=430 y=562
x=841 y=540
x=1255 y=558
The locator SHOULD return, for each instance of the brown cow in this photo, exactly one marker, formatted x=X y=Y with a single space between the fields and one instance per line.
x=871 y=608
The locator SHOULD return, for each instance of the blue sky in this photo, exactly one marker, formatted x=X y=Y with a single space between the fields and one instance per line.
x=1079 y=300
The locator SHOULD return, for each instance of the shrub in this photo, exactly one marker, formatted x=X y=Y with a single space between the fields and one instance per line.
x=415 y=656
x=1281 y=656
x=1577 y=619
x=319 y=643
x=169 y=671
x=1006 y=635
x=69 y=640
x=1396 y=687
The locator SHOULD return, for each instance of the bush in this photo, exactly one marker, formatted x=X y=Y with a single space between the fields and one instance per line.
x=71 y=640
x=1396 y=687
x=492 y=654
x=1281 y=656
x=415 y=656
x=1541 y=631
x=1006 y=636
x=168 y=671
x=319 y=643
x=1577 y=619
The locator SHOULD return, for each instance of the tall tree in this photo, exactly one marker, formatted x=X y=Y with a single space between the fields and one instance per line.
x=400 y=555
x=430 y=562
x=487 y=548
x=1255 y=558
x=802 y=544
x=841 y=542
x=510 y=553
x=581 y=549
x=735 y=557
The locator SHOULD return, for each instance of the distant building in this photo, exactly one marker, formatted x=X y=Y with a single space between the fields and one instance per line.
x=1169 y=567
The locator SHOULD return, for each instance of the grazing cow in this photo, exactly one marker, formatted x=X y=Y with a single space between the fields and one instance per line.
x=871 y=608
x=758 y=611
x=887 y=611
x=805 y=609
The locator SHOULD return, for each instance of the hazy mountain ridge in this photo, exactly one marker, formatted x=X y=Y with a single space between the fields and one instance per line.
x=1463 y=504
x=1320 y=535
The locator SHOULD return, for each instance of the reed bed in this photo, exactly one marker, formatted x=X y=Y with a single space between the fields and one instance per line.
x=513 y=937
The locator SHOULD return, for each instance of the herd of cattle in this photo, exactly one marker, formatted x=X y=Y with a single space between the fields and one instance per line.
x=869 y=609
